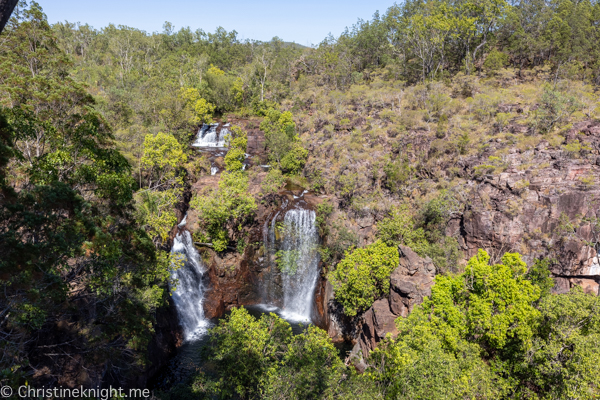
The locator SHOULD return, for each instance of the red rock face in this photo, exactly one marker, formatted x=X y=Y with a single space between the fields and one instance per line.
x=409 y=284
x=524 y=208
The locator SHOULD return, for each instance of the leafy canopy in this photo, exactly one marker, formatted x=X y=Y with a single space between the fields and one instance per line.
x=363 y=275
x=225 y=209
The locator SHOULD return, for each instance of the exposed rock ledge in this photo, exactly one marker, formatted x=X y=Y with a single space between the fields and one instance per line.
x=410 y=282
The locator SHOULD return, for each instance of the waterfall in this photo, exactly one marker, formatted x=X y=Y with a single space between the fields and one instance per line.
x=298 y=261
x=208 y=136
x=189 y=291
x=214 y=170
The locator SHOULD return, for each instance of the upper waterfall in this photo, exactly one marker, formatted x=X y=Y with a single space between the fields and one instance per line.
x=209 y=137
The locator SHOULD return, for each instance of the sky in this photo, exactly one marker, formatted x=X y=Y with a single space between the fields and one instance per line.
x=305 y=22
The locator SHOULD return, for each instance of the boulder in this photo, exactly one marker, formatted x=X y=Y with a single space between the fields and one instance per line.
x=410 y=282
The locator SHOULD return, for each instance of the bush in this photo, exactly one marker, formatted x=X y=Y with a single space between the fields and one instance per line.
x=399 y=228
x=495 y=61
x=273 y=182
x=362 y=276
x=555 y=107
x=283 y=143
x=324 y=211
x=397 y=174
x=295 y=159
x=237 y=141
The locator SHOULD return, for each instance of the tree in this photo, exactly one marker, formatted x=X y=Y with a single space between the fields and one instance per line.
x=274 y=364
x=199 y=110
x=558 y=363
x=362 y=276
x=454 y=345
x=68 y=238
x=225 y=209
x=283 y=142
x=237 y=141
x=162 y=159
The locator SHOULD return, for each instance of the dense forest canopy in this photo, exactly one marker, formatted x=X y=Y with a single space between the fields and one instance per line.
x=95 y=159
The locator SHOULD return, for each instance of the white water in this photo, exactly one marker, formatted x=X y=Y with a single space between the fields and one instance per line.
x=208 y=136
x=214 y=170
x=299 y=261
x=189 y=293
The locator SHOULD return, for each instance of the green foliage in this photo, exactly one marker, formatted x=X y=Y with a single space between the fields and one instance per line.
x=442 y=126
x=324 y=211
x=155 y=205
x=273 y=182
x=283 y=143
x=199 y=110
x=156 y=211
x=555 y=107
x=237 y=141
x=398 y=173
x=575 y=149
x=495 y=61
x=480 y=335
x=225 y=208
x=500 y=300
x=163 y=156
x=424 y=232
x=67 y=231
x=275 y=364
x=462 y=143
x=234 y=159
x=294 y=160
x=399 y=228
x=558 y=363
x=362 y=276
x=539 y=274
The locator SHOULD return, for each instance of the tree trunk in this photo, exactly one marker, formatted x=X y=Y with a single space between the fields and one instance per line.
x=6 y=9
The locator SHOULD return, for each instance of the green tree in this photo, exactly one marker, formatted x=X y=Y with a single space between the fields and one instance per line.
x=226 y=208
x=67 y=235
x=283 y=142
x=237 y=141
x=260 y=358
x=558 y=363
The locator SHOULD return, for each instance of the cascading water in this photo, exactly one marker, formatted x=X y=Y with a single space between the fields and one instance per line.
x=298 y=261
x=208 y=136
x=189 y=292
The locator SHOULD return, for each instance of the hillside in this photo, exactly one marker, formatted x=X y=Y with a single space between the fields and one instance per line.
x=409 y=210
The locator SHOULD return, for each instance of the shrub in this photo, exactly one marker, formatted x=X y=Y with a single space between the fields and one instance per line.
x=555 y=107
x=362 y=276
x=397 y=174
x=261 y=358
x=495 y=61
x=324 y=211
x=273 y=182
x=295 y=159
x=237 y=141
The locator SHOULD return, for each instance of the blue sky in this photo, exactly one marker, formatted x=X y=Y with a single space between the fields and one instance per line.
x=305 y=22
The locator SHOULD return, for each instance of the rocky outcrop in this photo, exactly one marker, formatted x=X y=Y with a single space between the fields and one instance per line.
x=545 y=203
x=410 y=282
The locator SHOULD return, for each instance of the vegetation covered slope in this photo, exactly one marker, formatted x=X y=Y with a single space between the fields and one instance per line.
x=393 y=120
